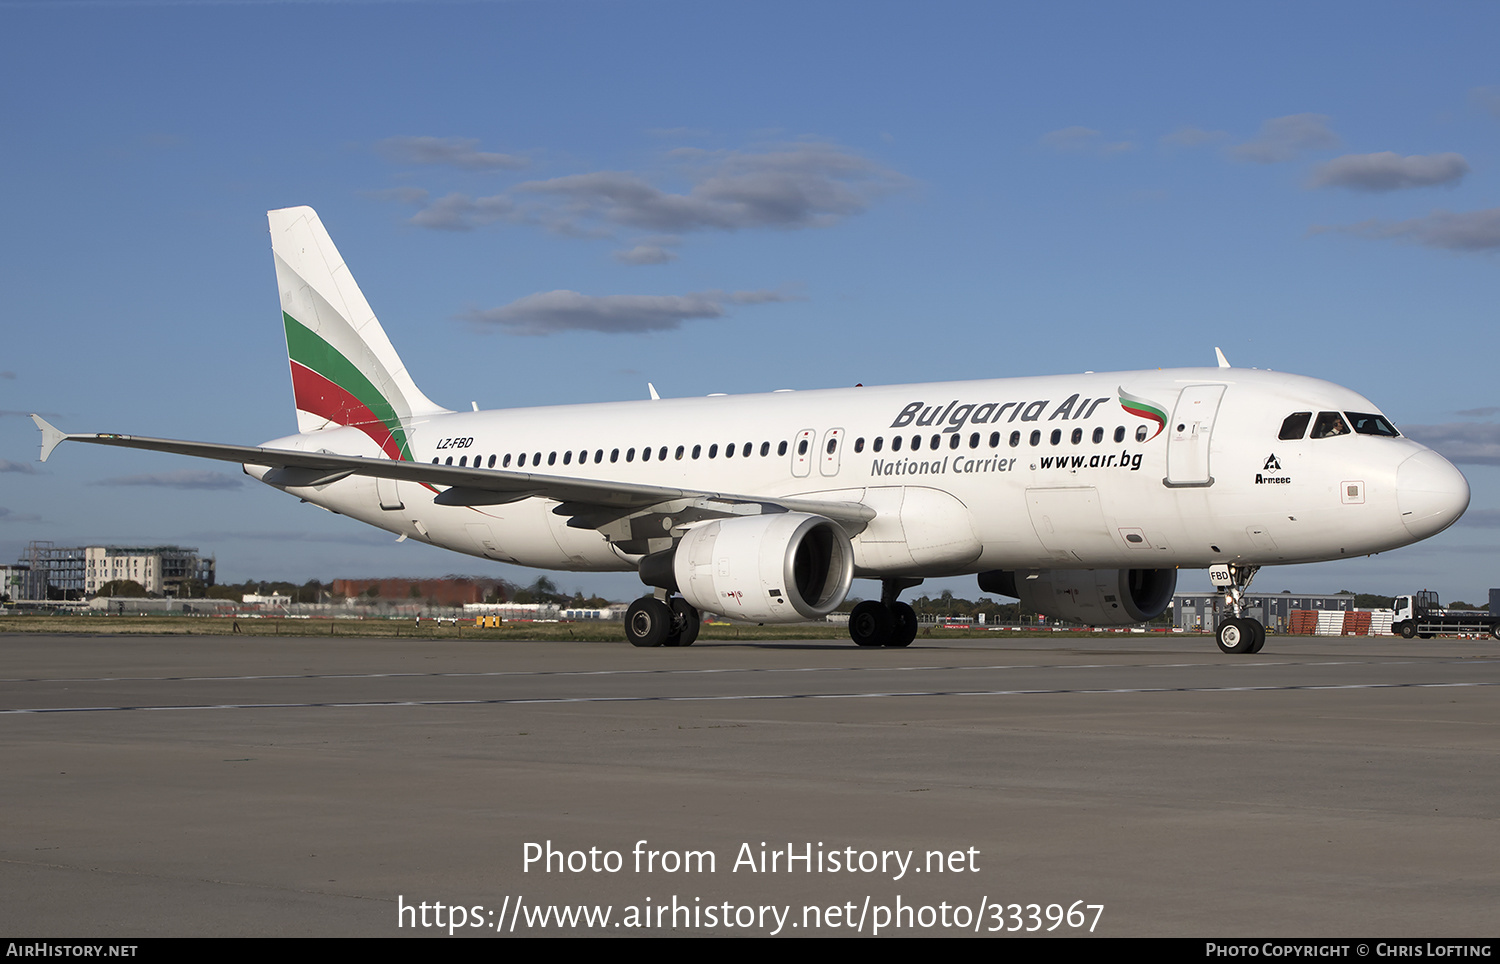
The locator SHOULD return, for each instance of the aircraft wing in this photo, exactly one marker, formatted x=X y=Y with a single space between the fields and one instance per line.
x=589 y=503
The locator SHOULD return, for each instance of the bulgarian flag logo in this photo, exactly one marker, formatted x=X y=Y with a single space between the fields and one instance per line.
x=1141 y=408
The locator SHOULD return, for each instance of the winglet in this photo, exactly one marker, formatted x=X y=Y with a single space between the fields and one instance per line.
x=652 y=389
x=1223 y=362
x=51 y=435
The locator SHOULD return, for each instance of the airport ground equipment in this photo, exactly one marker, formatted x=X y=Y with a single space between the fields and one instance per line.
x=1421 y=614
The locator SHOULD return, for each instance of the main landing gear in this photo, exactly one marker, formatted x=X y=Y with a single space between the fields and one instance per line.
x=889 y=622
x=1238 y=633
x=657 y=622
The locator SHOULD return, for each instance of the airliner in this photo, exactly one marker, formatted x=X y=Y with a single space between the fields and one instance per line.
x=1080 y=495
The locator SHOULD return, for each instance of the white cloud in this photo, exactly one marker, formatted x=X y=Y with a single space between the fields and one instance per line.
x=460 y=152
x=1285 y=138
x=1083 y=140
x=1481 y=518
x=645 y=254
x=1488 y=99
x=1461 y=442
x=789 y=187
x=459 y=212
x=1190 y=136
x=179 y=479
x=1389 y=171
x=552 y=312
x=1463 y=231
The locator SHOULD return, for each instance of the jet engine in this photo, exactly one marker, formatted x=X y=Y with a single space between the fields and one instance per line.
x=776 y=568
x=1095 y=597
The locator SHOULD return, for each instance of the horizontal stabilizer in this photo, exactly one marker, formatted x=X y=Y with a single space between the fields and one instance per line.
x=52 y=436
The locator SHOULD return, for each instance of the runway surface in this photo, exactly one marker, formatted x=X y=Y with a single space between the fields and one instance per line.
x=1325 y=787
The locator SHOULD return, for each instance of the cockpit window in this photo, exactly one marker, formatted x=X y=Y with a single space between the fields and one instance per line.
x=1295 y=426
x=1373 y=425
x=1329 y=424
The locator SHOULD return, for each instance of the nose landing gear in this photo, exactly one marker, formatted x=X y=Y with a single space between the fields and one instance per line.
x=1238 y=633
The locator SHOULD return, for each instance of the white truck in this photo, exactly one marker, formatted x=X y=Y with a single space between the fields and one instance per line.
x=1421 y=614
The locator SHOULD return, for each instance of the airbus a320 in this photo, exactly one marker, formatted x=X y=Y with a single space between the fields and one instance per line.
x=1081 y=495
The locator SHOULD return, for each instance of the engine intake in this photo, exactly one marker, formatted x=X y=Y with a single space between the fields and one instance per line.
x=784 y=567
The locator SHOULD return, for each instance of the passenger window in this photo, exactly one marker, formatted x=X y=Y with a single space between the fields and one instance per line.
x=729 y=451
x=859 y=445
x=974 y=441
x=833 y=443
x=492 y=463
x=1098 y=435
x=662 y=455
x=994 y=440
x=802 y=447
x=434 y=460
x=781 y=449
x=1077 y=435
x=1119 y=433
x=598 y=456
x=448 y=461
x=680 y=451
x=614 y=455
x=646 y=454
x=879 y=441
x=1329 y=424
x=896 y=444
x=1295 y=426
x=567 y=457
x=1056 y=436
x=552 y=458
x=765 y=449
x=1015 y=439
x=1036 y=437
x=745 y=452
x=505 y=462
x=697 y=451
x=937 y=443
x=463 y=461
x=954 y=441
x=713 y=451
x=521 y=461
x=630 y=455
x=1140 y=433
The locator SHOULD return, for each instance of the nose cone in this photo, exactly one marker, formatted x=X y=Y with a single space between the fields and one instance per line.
x=1430 y=493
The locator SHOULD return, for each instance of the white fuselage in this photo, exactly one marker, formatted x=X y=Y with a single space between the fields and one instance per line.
x=1025 y=473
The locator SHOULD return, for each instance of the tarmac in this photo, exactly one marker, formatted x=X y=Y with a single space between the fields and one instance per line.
x=1145 y=786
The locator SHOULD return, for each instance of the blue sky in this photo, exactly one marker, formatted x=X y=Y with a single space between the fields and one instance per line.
x=739 y=197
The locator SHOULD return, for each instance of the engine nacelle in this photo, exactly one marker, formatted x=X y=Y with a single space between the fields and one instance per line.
x=1095 y=597
x=777 y=568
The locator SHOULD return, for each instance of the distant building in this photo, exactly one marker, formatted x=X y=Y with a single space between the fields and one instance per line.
x=437 y=592
x=19 y=582
x=73 y=572
x=161 y=570
x=1202 y=610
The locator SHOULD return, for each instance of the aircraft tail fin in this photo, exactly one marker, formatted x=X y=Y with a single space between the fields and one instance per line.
x=344 y=369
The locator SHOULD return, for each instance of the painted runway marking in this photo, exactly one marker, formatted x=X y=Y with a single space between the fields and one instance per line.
x=733 y=670
x=751 y=697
